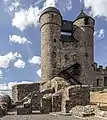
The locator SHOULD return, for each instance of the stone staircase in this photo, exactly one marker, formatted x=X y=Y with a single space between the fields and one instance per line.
x=70 y=74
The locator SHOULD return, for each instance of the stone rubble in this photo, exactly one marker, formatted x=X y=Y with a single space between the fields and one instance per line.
x=82 y=111
x=5 y=103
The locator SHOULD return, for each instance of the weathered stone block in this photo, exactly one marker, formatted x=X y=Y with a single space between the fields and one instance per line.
x=23 y=111
x=46 y=104
x=75 y=95
x=27 y=105
x=36 y=102
x=82 y=111
x=20 y=91
x=3 y=108
x=57 y=101
x=59 y=83
x=6 y=99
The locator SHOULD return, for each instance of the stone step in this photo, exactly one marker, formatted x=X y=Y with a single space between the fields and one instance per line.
x=21 y=110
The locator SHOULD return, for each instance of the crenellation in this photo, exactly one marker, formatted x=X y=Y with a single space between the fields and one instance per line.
x=100 y=67
x=105 y=68
x=95 y=65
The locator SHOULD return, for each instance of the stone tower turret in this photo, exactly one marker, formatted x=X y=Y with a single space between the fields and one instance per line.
x=83 y=29
x=50 y=24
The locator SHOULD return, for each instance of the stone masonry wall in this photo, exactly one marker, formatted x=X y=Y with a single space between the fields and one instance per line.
x=65 y=99
x=68 y=58
x=50 y=24
x=75 y=95
x=20 y=91
x=101 y=74
x=85 y=55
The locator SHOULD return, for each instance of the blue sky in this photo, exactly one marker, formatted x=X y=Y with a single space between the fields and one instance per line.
x=20 y=34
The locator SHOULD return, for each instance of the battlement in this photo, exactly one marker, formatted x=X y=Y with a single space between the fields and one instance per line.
x=99 y=68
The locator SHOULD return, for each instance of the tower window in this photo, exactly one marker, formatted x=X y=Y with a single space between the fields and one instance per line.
x=86 y=54
x=105 y=81
x=52 y=15
x=86 y=20
x=98 y=82
x=54 y=40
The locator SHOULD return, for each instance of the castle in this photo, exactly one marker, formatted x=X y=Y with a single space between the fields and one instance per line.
x=67 y=65
x=67 y=50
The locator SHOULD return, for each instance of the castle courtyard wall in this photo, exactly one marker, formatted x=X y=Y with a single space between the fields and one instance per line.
x=20 y=91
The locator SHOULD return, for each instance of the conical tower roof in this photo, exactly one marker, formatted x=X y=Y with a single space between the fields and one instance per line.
x=50 y=9
x=82 y=15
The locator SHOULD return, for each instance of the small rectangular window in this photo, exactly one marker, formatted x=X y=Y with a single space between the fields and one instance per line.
x=105 y=81
x=98 y=82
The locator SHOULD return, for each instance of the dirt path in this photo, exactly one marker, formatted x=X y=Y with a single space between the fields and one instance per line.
x=47 y=117
x=38 y=117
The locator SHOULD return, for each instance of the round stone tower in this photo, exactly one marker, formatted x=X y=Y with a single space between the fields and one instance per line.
x=50 y=24
x=83 y=30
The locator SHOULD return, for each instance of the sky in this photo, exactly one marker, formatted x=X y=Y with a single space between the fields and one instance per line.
x=20 y=35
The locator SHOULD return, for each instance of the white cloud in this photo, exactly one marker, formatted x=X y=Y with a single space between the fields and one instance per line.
x=27 y=17
x=99 y=34
x=6 y=59
x=98 y=7
x=35 y=60
x=1 y=74
x=68 y=4
x=39 y=72
x=6 y=1
x=13 y=1
x=19 y=64
x=60 y=4
x=14 y=6
x=18 y=39
x=50 y=3
x=6 y=89
x=10 y=84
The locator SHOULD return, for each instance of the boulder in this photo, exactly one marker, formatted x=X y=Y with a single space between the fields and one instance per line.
x=6 y=99
x=3 y=108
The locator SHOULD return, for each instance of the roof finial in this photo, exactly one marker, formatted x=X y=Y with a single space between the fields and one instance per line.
x=82 y=5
